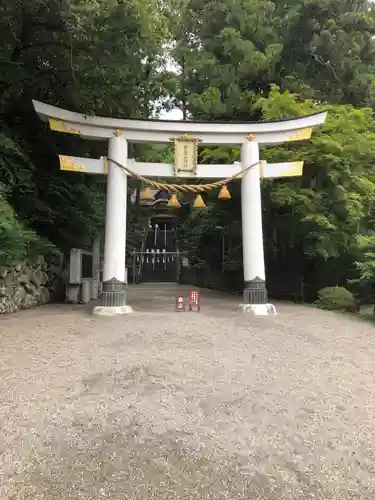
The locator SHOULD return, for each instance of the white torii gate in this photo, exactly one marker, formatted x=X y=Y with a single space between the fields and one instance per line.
x=118 y=132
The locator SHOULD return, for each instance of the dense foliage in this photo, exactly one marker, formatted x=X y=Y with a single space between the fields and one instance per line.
x=314 y=225
x=235 y=60
x=269 y=60
x=99 y=56
x=231 y=52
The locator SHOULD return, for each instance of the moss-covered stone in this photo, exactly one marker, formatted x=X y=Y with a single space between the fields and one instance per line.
x=29 y=283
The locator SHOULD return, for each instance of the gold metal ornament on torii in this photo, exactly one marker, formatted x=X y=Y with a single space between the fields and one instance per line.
x=185 y=154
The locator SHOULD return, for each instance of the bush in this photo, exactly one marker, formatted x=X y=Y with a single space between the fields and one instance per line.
x=336 y=298
x=15 y=239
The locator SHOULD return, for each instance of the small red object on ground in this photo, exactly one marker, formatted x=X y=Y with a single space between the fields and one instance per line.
x=194 y=300
x=180 y=304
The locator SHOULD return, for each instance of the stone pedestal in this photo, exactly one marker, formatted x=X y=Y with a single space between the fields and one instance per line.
x=113 y=293
x=255 y=291
x=112 y=311
x=258 y=309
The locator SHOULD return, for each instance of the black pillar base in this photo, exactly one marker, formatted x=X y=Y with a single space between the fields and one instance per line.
x=255 y=292
x=113 y=293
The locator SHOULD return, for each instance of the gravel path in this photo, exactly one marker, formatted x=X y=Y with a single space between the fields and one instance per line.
x=163 y=405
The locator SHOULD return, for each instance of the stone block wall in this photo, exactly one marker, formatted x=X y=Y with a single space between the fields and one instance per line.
x=33 y=282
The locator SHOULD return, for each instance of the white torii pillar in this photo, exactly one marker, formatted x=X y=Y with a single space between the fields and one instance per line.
x=113 y=296
x=254 y=289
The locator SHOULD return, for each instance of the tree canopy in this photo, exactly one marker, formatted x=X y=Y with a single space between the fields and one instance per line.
x=269 y=60
x=231 y=52
x=101 y=57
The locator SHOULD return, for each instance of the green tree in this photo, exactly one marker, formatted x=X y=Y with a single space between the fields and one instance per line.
x=313 y=224
x=269 y=60
x=333 y=201
x=102 y=57
x=328 y=50
x=231 y=51
x=365 y=282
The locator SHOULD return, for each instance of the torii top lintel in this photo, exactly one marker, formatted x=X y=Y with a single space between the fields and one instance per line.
x=161 y=131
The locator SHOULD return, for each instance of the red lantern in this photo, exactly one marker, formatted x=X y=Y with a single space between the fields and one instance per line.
x=194 y=300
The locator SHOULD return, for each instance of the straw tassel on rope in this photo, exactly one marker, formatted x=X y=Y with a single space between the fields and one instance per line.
x=199 y=203
x=224 y=193
x=173 y=202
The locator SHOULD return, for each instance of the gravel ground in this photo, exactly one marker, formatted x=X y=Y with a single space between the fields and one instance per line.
x=164 y=405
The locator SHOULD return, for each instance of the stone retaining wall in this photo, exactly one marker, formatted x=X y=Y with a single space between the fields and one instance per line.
x=33 y=282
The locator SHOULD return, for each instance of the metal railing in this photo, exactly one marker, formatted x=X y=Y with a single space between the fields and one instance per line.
x=143 y=255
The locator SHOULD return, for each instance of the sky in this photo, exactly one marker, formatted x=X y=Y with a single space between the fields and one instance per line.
x=173 y=114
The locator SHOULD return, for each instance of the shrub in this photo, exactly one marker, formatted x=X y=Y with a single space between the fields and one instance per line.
x=336 y=298
x=15 y=239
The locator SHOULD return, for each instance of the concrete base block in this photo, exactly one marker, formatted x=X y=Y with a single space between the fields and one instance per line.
x=72 y=294
x=258 y=309
x=111 y=311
